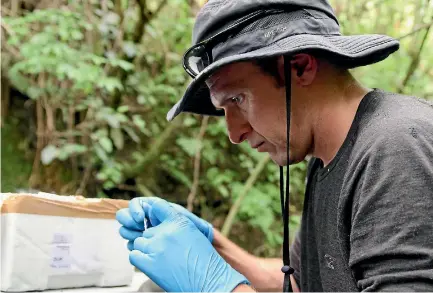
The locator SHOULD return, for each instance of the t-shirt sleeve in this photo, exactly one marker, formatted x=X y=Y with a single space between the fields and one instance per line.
x=391 y=238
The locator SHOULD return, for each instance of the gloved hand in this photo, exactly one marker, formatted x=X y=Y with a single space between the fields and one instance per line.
x=178 y=257
x=132 y=219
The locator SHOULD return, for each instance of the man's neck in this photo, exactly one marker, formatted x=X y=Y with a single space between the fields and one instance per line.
x=336 y=111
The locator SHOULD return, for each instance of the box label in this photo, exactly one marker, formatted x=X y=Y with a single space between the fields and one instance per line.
x=61 y=251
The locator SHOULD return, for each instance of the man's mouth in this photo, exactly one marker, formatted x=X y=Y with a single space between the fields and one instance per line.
x=258 y=145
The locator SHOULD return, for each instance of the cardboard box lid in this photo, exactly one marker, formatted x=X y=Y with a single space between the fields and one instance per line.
x=62 y=206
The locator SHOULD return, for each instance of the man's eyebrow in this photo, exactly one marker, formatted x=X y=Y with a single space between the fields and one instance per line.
x=219 y=85
x=219 y=104
x=211 y=82
x=219 y=100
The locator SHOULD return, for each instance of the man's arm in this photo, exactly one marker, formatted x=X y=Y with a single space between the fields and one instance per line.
x=264 y=274
x=391 y=237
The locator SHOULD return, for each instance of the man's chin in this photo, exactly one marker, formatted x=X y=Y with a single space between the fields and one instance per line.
x=281 y=159
x=278 y=159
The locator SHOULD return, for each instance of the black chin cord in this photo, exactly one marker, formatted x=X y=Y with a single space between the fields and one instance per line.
x=285 y=200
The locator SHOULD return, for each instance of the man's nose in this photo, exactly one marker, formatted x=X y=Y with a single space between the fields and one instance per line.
x=238 y=127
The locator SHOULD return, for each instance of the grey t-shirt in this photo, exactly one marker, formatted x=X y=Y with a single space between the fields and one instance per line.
x=367 y=223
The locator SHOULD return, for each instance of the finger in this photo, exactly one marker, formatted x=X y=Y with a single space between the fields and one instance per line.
x=139 y=207
x=179 y=208
x=163 y=211
x=129 y=234
x=140 y=261
x=154 y=221
x=149 y=233
x=123 y=216
x=136 y=209
x=142 y=244
x=130 y=245
x=205 y=227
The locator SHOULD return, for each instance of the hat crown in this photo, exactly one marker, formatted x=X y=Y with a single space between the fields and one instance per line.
x=217 y=13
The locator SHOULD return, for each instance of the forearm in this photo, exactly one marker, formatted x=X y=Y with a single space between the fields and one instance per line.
x=264 y=274
x=273 y=267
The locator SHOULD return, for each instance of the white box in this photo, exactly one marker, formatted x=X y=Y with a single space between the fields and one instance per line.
x=54 y=242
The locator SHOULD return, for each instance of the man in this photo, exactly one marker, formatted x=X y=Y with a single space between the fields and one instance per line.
x=278 y=71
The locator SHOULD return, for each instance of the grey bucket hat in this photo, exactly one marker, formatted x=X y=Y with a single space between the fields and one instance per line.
x=299 y=26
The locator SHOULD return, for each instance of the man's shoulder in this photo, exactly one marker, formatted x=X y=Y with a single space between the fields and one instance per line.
x=394 y=119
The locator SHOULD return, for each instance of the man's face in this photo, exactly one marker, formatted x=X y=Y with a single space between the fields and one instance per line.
x=255 y=111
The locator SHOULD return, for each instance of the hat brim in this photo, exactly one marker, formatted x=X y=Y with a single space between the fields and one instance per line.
x=347 y=51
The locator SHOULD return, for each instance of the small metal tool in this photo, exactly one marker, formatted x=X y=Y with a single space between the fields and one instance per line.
x=145 y=219
x=145 y=223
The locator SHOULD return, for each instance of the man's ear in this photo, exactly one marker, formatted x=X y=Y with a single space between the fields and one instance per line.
x=304 y=68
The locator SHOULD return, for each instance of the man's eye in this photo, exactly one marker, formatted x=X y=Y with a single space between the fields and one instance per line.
x=237 y=99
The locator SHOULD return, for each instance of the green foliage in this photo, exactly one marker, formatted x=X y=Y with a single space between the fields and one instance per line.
x=397 y=19
x=15 y=162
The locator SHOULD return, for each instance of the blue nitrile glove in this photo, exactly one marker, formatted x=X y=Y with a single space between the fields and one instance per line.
x=132 y=219
x=178 y=257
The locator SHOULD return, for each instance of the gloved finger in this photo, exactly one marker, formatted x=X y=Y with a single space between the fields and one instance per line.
x=205 y=227
x=180 y=209
x=136 y=210
x=142 y=244
x=149 y=233
x=140 y=260
x=154 y=221
x=129 y=234
x=139 y=207
x=130 y=245
x=123 y=216
x=163 y=211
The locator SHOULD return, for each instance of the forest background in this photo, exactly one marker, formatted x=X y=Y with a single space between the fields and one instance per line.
x=86 y=85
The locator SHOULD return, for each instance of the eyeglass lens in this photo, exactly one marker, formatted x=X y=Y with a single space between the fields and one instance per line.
x=198 y=59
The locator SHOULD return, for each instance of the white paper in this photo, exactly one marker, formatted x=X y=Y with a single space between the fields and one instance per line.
x=61 y=251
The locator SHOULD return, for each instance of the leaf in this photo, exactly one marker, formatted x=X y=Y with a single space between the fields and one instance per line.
x=99 y=134
x=111 y=18
x=223 y=190
x=109 y=185
x=106 y=144
x=130 y=49
x=127 y=66
x=189 y=121
x=104 y=28
x=179 y=175
x=117 y=137
x=70 y=149
x=123 y=109
x=77 y=35
x=101 y=194
x=97 y=60
x=110 y=84
x=49 y=154
x=189 y=145
x=141 y=100
x=110 y=118
x=101 y=176
x=132 y=134
x=34 y=93
x=13 y=41
x=139 y=122
x=100 y=152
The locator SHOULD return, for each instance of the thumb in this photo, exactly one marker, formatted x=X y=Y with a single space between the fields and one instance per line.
x=163 y=211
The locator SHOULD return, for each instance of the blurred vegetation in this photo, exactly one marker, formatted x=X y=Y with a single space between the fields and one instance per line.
x=86 y=86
